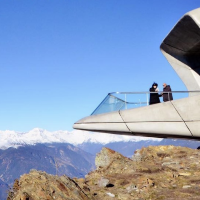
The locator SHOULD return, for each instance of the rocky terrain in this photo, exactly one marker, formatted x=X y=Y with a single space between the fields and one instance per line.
x=154 y=172
x=40 y=185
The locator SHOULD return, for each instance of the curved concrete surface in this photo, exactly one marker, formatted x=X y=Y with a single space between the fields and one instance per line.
x=181 y=47
x=173 y=119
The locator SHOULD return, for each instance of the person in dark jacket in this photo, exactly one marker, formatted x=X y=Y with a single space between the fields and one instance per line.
x=154 y=97
x=167 y=95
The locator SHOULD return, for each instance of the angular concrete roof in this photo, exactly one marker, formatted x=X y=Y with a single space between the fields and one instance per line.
x=181 y=47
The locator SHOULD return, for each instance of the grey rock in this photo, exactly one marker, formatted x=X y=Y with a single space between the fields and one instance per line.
x=103 y=182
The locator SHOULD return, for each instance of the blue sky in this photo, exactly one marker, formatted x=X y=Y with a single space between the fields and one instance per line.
x=60 y=58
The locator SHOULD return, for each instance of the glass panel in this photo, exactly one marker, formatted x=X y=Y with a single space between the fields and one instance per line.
x=137 y=100
x=109 y=104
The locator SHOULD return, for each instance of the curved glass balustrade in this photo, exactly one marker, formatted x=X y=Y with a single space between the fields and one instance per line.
x=116 y=101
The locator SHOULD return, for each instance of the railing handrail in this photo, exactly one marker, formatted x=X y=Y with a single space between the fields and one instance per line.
x=116 y=105
x=145 y=92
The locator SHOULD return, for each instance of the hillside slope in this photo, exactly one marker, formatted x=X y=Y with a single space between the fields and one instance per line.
x=155 y=172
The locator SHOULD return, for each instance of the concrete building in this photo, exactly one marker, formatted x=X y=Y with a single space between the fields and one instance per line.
x=172 y=119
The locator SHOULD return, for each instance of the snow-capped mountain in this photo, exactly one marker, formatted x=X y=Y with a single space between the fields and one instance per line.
x=14 y=139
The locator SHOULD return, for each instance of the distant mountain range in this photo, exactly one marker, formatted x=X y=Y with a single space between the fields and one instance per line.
x=87 y=141
x=76 y=137
x=128 y=148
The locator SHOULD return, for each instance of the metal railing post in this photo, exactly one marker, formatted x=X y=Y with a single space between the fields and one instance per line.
x=125 y=102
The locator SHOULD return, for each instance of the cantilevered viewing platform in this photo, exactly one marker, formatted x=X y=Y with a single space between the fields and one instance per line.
x=129 y=113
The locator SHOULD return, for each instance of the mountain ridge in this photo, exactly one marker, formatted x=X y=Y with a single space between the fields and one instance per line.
x=37 y=135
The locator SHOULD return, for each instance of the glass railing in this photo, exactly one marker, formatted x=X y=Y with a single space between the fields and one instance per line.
x=116 y=101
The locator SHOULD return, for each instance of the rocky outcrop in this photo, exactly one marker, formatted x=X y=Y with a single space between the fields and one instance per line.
x=155 y=172
x=39 y=185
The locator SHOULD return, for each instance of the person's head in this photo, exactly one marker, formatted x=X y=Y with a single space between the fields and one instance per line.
x=164 y=85
x=155 y=85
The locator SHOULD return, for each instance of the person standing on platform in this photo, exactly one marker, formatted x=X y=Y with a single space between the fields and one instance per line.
x=167 y=95
x=154 y=96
